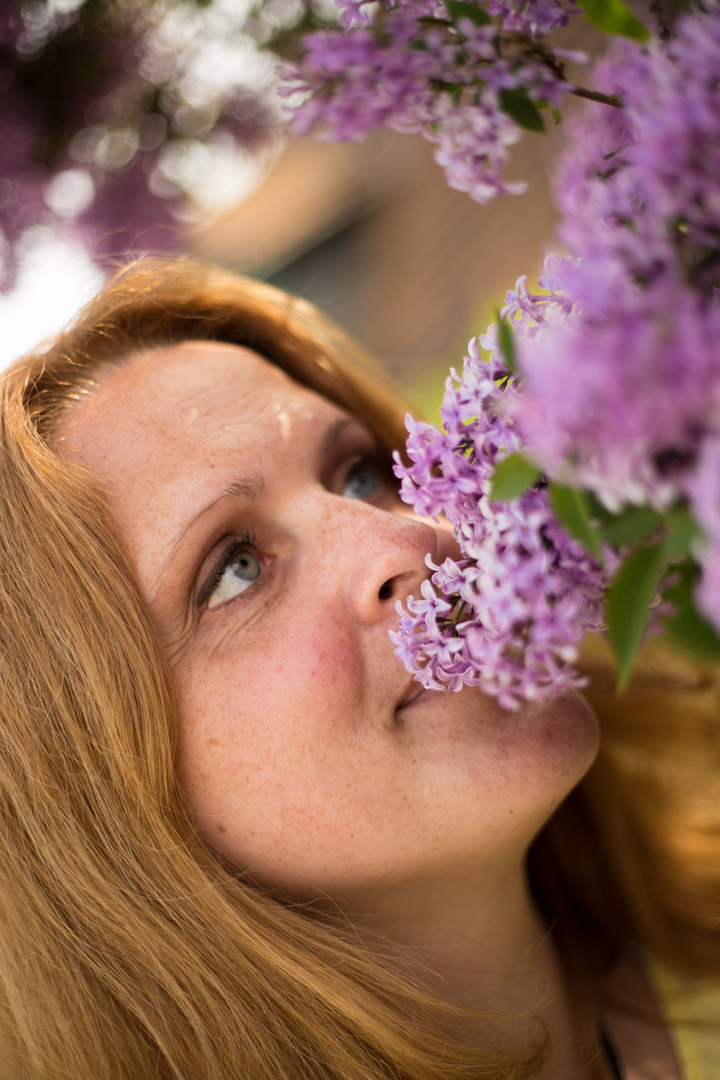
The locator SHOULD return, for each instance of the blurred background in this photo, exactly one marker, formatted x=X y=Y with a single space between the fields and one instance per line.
x=368 y=231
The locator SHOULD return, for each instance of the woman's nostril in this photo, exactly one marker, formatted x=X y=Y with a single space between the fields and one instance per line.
x=385 y=590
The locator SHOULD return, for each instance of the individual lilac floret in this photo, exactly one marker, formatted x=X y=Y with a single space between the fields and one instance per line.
x=472 y=148
x=510 y=615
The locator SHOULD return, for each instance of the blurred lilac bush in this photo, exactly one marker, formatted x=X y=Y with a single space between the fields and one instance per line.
x=105 y=109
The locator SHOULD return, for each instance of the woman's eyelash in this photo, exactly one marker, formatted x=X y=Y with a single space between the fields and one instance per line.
x=245 y=540
x=378 y=459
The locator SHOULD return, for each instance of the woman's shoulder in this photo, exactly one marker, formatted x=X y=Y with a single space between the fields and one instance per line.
x=691 y=1008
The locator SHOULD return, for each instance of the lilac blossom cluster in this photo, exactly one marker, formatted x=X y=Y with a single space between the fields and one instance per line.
x=620 y=360
x=448 y=73
x=534 y=17
x=509 y=615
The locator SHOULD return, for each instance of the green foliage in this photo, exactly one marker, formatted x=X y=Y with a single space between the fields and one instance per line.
x=633 y=525
x=523 y=111
x=687 y=629
x=458 y=9
x=512 y=476
x=628 y=606
x=287 y=41
x=680 y=531
x=615 y=17
x=574 y=511
x=506 y=341
x=671 y=537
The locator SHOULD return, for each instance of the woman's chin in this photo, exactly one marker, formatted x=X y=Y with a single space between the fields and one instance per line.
x=557 y=738
x=564 y=726
x=499 y=771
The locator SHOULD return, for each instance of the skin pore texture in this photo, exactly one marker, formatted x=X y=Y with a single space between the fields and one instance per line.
x=269 y=542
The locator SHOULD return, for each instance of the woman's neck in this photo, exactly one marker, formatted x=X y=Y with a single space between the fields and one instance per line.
x=481 y=943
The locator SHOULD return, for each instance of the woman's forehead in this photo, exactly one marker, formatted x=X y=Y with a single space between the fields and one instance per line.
x=170 y=430
x=194 y=373
x=193 y=392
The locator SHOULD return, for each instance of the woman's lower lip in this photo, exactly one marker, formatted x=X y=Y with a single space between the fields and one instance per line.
x=422 y=696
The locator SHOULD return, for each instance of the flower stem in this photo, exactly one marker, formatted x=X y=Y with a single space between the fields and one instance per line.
x=593 y=95
x=456 y=620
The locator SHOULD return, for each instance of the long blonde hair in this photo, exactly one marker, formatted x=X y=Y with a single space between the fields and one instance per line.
x=127 y=950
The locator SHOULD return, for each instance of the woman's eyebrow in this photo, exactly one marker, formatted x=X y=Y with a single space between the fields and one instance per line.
x=251 y=488
x=334 y=432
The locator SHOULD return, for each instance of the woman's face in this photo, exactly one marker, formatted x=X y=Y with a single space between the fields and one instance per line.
x=271 y=547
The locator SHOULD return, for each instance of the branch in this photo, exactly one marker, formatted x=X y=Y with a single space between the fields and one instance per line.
x=593 y=95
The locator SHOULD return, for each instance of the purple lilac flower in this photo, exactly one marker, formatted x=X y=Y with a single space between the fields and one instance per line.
x=621 y=370
x=382 y=85
x=356 y=13
x=533 y=16
x=509 y=616
x=626 y=392
x=471 y=148
x=618 y=388
x=525 y=16
x=620 y=360
x=434 y=78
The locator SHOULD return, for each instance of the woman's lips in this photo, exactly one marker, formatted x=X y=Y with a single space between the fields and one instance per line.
x=412 y=693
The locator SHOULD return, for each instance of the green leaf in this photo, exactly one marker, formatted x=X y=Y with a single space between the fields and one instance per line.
x=632 y=526
x=524 y=112
x=573 y=510
x=615 y=17
x=513 y=475
x=687 y=629
x=289 y=42
x=458 y=9
x=506 y=341
x=628 y=607
x=680 y=530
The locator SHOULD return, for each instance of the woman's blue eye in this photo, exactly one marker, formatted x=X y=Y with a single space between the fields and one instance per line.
x=241 y=570
x=363 y=481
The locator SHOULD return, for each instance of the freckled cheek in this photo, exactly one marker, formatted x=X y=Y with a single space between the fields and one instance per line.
x=251 y=708
x=267 y=759
x=331 y=672
x=312 y=667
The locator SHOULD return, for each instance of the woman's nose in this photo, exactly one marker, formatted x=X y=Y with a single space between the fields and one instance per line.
x=387 y=553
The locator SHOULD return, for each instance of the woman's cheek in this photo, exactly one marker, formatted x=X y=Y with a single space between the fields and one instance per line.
x=256 y=703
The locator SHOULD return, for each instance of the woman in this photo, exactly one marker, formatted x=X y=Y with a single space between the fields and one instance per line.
x=238 y=841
